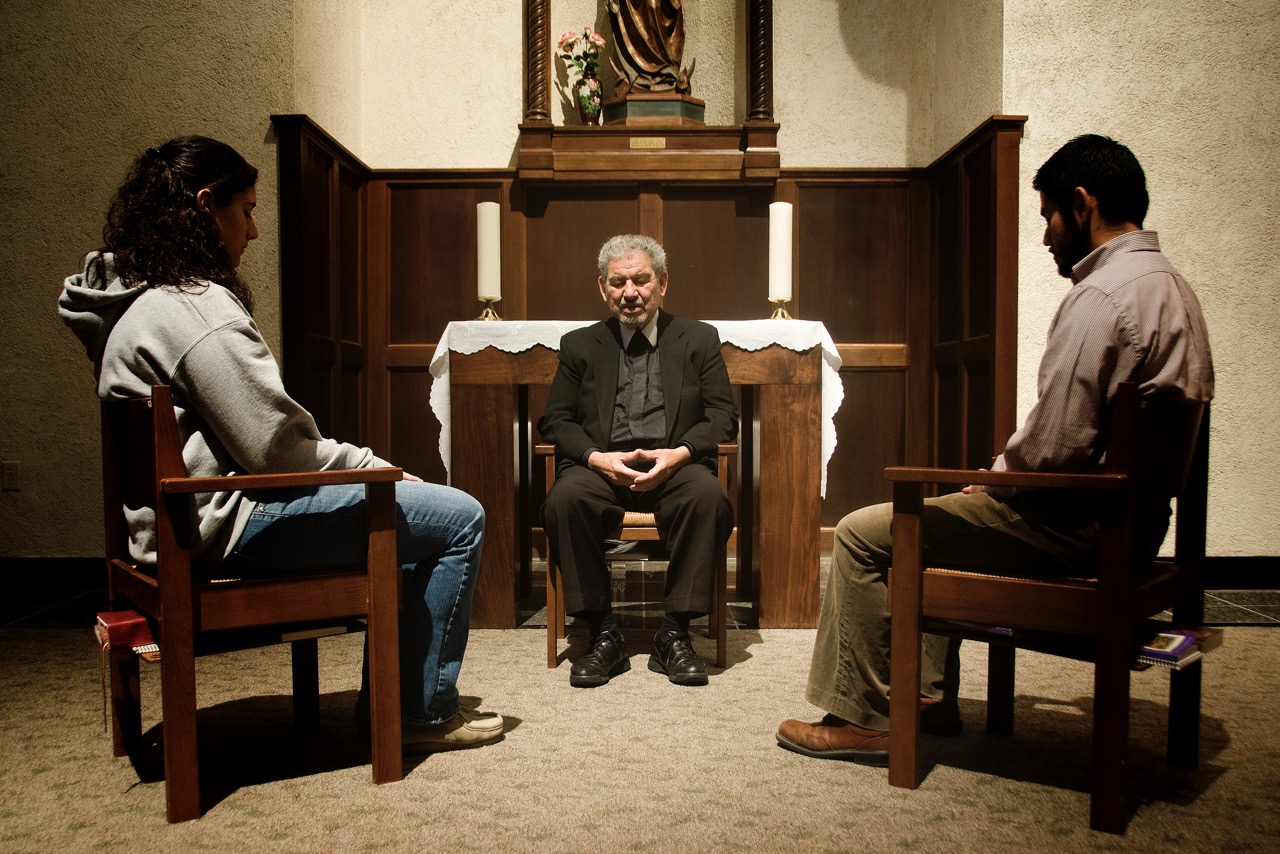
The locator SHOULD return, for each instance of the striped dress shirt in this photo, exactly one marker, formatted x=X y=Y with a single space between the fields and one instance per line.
x=1129 y=317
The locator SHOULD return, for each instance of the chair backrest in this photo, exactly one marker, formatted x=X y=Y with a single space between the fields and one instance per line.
x=129 y=461
x=1155 y=440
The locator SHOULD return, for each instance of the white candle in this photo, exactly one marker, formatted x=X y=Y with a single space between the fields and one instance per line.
x=779 y=251
x=488 y=251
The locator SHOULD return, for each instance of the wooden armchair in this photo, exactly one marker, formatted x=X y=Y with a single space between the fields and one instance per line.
x=640 y=527
x=1157 y=449
x=143 y=467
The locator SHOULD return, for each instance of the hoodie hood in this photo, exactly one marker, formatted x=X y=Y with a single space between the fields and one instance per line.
x=92 y=300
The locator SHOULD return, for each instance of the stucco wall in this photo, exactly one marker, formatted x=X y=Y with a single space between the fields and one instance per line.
x=1189 y=85
x=328 y=51
x=1191 y=88
x=87 y=87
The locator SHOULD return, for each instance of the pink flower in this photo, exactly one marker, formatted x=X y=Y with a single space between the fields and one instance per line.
x=565 y=39
x=597 y=40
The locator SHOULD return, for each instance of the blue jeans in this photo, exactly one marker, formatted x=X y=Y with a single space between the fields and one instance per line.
x=439 y=533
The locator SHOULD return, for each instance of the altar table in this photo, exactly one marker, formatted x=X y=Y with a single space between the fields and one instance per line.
x=790 y=390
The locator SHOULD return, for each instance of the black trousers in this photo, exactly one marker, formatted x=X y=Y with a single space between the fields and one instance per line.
x=694 y=519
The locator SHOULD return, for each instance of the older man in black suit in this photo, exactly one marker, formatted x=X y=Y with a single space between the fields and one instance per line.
x=638 y=406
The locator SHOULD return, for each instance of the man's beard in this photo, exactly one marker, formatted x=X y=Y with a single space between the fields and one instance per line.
x=634 y=321
x=1074 y=249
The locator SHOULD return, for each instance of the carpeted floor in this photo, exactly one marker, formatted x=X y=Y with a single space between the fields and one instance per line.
x=638 y=765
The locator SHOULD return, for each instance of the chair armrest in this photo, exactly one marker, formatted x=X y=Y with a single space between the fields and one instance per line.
x=286 y=480
x=1024 y=479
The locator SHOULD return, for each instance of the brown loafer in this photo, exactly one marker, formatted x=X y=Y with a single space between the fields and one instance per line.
x=835 y=738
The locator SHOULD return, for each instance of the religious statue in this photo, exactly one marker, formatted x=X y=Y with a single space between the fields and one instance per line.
x=650 y=39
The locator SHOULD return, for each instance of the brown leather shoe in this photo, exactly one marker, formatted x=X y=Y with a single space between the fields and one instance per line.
x=835 y=738
x=938 y=717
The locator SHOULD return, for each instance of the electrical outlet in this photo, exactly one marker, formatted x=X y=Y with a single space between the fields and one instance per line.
x=11 y=475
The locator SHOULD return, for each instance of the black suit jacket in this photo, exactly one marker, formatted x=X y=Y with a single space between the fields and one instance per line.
x=579 y=413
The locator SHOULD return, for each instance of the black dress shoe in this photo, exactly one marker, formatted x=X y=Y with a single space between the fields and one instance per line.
x=674 y=656
x=606 y=659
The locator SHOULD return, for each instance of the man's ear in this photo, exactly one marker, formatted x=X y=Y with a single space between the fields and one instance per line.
x=1083 y=205
x=204 y=200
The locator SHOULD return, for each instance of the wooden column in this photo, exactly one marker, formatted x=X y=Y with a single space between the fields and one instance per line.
x=760 y=59
x=537 y=62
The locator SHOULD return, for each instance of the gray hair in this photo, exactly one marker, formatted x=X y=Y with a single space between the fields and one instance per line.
x=623 y=245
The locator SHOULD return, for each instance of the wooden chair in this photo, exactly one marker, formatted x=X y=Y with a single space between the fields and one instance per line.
x=1157 y=449
x=642 y=528
x=143 y=467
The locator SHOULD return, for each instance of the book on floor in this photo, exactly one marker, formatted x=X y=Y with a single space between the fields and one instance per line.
x=1177 y=647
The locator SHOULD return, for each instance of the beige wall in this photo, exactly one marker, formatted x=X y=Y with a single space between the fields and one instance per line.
x=1189 y=85
x=87 y=87
x=1191 y=88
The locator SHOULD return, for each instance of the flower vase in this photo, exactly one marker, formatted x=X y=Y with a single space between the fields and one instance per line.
x=586 y=96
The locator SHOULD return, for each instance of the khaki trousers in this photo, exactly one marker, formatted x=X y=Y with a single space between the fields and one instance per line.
x=849 y=675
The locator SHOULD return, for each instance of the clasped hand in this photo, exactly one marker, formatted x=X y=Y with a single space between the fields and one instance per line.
x=620 y=467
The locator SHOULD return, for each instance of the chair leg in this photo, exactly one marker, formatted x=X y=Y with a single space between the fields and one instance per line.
x=555 y=622
x=720 y=609
x=126 y=701
x=383 y=637
x=1000 y=683
x=906 y=589
x=1107 y=810
x=306 y=683
x=181 y=760
x=1183 y=749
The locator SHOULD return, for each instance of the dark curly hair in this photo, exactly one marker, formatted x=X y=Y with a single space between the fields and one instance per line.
x=157 y=232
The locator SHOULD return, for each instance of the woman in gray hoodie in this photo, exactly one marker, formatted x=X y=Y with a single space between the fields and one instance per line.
x=161 y=302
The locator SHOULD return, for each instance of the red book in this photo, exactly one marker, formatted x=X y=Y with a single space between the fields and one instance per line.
x=116 y=629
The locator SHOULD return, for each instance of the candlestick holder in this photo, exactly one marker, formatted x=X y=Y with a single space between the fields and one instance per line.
x=779 y=310
x=489 y=313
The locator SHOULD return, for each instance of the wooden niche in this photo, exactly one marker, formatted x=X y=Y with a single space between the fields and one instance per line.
x=653 y=151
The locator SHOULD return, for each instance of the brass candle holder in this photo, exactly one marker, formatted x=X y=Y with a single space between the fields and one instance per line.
x=779 y=310
x=489 y=312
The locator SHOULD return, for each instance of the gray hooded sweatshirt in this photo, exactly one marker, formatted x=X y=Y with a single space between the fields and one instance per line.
x=234 y=416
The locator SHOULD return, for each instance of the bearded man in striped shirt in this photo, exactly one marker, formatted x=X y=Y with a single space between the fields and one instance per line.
x=1128 y=317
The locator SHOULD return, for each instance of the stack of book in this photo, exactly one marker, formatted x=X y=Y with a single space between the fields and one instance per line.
x=1177 y=647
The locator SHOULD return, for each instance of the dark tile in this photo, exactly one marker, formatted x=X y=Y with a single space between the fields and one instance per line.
x=1242 y=607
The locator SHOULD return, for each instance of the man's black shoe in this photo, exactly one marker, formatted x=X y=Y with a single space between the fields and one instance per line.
x=674 y=656
x=606 y=659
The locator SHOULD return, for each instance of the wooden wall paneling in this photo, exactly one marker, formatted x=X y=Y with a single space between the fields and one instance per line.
x=948 y=318
x=564 y=228
x=321 y=191
x=871 y=430
x=311 y=296
x=1004 y=357
x=852 y=252
x=975 y=285
x=427 y=236
x=350 y=402
x=949 y=412
x=856 y=235
x=717 y=242
x=918 y=423
x=433 y=257
x=376 y=248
